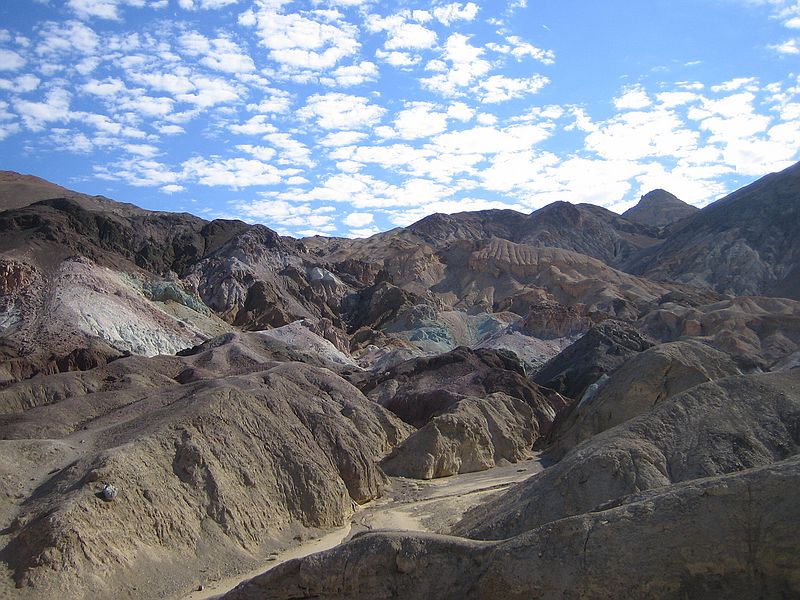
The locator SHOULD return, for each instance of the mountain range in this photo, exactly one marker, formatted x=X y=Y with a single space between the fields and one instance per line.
x=241 y=389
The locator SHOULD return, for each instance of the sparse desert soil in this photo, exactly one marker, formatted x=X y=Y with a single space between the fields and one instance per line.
x=409 y=505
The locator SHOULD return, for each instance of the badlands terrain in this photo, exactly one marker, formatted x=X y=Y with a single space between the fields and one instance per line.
x=566 y=404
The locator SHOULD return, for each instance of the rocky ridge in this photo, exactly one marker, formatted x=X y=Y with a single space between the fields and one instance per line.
x=241 y=391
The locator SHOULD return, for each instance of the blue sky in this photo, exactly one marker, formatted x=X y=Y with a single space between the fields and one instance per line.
x=355 y=116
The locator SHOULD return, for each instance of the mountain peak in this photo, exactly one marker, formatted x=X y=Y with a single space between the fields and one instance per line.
x=659 y=208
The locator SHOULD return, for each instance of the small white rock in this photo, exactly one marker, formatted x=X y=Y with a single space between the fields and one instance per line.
x=109 y=492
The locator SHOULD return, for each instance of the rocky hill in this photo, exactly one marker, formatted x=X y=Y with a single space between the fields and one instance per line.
x=659 y=208
x=743 y=244
x=172 y=387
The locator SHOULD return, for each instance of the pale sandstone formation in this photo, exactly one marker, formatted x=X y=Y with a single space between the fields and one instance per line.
x=474 y=434
x=239 y=465
x=636 y=387
x=714 y=428
x=708 y=538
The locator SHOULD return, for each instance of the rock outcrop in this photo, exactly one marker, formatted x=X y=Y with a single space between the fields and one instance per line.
x=474 y=434
x=421 y=388
x=711 y=429
x=714 y=541
x=600 y=352
x=745 y=243
x=640 y=384
x=659 y=208
x=239 y=465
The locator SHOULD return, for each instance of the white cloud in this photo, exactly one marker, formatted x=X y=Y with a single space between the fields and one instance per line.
x=634 y=135
x=205 y=4
x=365 y=191
x=275 y=101
x=292 y=152
x=149 y=106
x=106 y=88
x=748 y=83
x=341 y=111
x=519 y=49
x=282 y=215
x=455 y=11
x=632 y=99
x=256 y=125
x=460 y=111
x=35 y=115
x=210 y=92
x=499 y=88
x=466 y=65
x=301 y=41
x=101 y=9
x=262 y=153
x=171 y=129
x=673 y=99
x=398 y=59
x=138 y=172
x=420 y=119
x=219 y=54
x=231 y=172
x=342 y=138
x=790 y=47
x=147 y=150
x=491 y=140
x=21 y=84
x=172 y=83
x=10 y=60
x=358 y=219
x=363 y=232
x=172 y=188
x=352 y=75
x=59 y=39
x=410 y=36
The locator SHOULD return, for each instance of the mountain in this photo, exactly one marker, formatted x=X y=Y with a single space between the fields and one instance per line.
x=182 y=397
x=659 y=208
x=744 y=244
x=583 y=228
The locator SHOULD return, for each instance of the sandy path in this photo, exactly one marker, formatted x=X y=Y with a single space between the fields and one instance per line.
x=409 y=505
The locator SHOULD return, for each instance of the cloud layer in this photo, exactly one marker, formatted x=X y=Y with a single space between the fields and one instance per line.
x=347 y=118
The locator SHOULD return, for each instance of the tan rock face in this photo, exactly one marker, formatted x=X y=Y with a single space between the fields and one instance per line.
x=237 y=464
x=712 y=543
x=713 y=428
x=472 y=435
x=636 y=387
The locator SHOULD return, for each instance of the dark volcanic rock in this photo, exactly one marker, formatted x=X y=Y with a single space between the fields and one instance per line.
x=418 y=389
x=659 y=208
x=601 y=351
x=745 y=243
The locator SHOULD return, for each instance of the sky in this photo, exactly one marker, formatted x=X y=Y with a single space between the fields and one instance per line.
x=350 y=117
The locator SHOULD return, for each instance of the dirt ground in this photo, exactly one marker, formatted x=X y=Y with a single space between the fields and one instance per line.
x=409 y=505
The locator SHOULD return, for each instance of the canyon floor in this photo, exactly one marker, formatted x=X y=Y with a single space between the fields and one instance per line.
x=409 y=505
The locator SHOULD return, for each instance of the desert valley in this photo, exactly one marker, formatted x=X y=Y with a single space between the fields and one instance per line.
x=570 y=403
